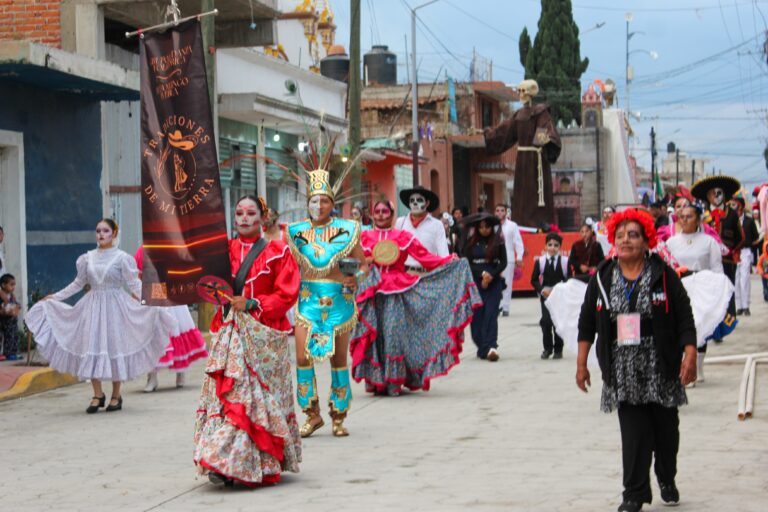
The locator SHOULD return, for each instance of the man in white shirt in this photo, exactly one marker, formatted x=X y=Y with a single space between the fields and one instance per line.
x=513 y=243
x=427 y=229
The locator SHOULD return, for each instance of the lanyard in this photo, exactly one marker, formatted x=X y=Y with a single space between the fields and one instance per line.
x=628 y=292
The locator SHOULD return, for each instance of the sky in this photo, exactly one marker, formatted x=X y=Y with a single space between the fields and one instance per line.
x=707 y=91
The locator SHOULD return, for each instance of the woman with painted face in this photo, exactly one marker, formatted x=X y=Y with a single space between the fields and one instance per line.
x=246 y=429
x=325 y=248
x=639 y=311
x=700 y=262
x=107 y=334
x=487 y=258
x=411 y=327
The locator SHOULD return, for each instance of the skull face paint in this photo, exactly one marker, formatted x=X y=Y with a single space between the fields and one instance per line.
x=314 y=207
x=716 y=196
x=247 y=218
x=418 y=204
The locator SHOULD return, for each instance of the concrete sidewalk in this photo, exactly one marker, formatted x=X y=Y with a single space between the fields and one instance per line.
x=516 y=435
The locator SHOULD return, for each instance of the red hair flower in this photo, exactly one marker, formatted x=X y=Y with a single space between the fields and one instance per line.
x=643 y=218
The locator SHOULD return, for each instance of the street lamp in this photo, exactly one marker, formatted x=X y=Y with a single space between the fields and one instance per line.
x=415 y=98
x=629 y=72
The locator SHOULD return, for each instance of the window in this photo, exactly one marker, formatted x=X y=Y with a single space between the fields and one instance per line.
x=487 y=113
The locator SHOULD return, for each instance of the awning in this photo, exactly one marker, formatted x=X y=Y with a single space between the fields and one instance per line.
x=50 y=68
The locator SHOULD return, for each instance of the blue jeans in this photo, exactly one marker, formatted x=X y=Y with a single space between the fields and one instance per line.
x=765 y=289
x=485 y=322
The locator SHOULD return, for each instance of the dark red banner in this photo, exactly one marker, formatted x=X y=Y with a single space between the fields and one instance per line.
x=183 y=219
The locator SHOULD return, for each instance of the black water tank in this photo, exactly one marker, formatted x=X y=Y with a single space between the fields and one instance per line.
x=336 y=64
x=380 y=66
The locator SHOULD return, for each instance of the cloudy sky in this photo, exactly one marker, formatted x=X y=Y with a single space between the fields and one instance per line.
x=707 y=91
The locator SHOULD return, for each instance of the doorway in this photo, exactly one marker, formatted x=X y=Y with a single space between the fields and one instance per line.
x=13 y=216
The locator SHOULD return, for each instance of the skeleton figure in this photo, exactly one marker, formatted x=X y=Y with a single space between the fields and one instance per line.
x=527 y=90
x=716 y=197
x=418 y=204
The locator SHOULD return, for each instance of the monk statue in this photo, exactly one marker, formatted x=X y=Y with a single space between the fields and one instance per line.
x=538 y=146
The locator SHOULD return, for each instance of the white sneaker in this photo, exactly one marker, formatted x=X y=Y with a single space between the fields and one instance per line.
x=151 y=382
x=180 y=380
x=493 y=355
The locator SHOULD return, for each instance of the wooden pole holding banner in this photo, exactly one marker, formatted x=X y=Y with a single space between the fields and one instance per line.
x=205 y=310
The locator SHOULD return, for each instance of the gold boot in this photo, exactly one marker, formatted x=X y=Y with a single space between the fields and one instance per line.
x=338 y=424
x=313 y=422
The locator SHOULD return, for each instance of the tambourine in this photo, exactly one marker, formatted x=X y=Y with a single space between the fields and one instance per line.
x=386 y=252
x=215 y=290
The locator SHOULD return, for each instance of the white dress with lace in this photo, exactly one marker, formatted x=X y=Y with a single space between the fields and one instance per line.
x=108 y=334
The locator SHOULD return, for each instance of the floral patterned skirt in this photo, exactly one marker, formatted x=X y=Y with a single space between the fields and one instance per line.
x=246 y=427
x=407 y=339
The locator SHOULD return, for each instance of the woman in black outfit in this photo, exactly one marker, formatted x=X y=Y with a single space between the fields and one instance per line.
x=487 y=259
x=646 y=347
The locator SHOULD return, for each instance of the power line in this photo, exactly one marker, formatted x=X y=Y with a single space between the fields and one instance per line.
x=482 y=22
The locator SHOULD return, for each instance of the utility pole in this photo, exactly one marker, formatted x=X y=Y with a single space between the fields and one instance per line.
x=693 y=171
x=653 y=162
x=414 y=104
x=677 y=166
x=415 y=98
x=354 y=88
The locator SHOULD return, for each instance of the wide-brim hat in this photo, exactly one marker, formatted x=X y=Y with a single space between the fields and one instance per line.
x=476 y=218
x=728 y=184
x=434 y=201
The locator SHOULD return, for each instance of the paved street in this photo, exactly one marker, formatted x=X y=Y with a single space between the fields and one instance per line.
x=514 y=436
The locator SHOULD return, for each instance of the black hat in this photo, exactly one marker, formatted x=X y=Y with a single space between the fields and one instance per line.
x=475 y=218
x=729 y=185
x=434 y=201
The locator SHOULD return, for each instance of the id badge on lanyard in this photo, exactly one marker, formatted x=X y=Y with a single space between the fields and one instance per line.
x=628 y=329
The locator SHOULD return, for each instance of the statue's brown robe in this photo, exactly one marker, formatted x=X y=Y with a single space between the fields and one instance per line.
x=520 y=129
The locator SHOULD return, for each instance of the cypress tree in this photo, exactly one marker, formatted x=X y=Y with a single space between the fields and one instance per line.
x=554 y=60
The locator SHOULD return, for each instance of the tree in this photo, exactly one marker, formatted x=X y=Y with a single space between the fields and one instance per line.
x=554 y=60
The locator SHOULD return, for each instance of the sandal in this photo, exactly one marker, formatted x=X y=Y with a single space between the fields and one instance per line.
x=99 y=404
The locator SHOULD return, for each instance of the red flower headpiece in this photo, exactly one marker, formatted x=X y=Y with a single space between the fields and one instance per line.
x=635 y=215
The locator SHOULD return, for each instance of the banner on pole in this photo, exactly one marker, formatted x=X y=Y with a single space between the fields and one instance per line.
x=183 y=219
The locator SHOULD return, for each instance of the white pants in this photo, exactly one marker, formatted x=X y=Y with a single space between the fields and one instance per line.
x=742 y=283
x=506 y=294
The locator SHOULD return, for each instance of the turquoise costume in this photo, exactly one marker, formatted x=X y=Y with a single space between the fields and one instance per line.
x=323 y=307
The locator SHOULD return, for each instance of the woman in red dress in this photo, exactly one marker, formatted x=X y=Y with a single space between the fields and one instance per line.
x=246 y=428
x=392 y=346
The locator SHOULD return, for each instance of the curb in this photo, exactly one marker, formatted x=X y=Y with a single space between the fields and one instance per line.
x=37 y=381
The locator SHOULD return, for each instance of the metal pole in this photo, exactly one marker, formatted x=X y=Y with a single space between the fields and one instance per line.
x=415 y=104
x=653 y=163
x=693 y=171
x=677 y=166
x=626 y=69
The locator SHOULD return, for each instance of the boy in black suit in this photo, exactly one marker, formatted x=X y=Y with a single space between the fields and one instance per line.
x=547 y=272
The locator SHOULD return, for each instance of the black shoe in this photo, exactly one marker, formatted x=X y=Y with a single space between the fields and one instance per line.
x=739 y=312
x=718 y=340
x=505 y=313
x=94 y=408
x=117 y=406
x=669 y=494
x=219 y=479
x=747 y=312
x=546 y=354
x=557 y=355
x=630 y=506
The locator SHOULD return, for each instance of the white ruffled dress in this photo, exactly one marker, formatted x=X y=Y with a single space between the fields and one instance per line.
x=107 y=335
